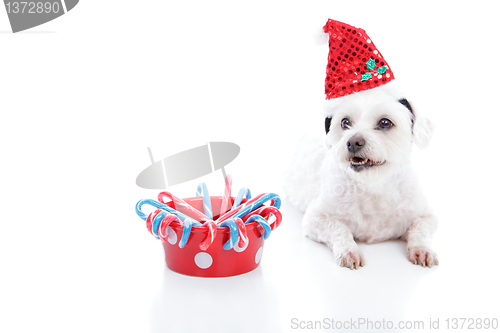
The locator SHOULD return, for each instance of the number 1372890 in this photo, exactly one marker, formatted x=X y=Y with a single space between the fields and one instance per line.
x=25 y=7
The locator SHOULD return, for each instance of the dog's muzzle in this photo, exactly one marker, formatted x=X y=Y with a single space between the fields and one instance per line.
x=358 y=162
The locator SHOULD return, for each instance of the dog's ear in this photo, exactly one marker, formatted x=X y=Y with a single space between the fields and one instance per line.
x=328 y=121
x=422 y=127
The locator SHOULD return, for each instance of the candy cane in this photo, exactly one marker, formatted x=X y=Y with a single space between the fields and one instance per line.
x=244 y=192
x=188 y=223
x=202 y=190
x=263 y=223
x=149 y=220
x=164 y=225
x=154 y=203
x=212 y=232
x=265 y=212
x=224 y=207
x=233 y=212
x=233 y=228
x=272 y=197
x=156 y=222
x=242 y=233
x=183 y=206
x=251 y=205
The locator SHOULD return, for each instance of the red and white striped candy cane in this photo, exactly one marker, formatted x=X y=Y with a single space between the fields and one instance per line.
x=265 y=212
x=232 y=212
x=183 y=206
x=149 y=221
x=164 y=224
x=225 y=206
x=242 y=233
x=212 y=232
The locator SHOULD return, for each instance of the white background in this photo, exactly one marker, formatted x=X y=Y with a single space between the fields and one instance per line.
x=82 y=97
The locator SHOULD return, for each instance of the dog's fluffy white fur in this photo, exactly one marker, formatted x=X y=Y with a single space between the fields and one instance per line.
x=374 y=203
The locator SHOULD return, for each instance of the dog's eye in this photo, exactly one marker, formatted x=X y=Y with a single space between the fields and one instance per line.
x=345 y=123
x=385 y=123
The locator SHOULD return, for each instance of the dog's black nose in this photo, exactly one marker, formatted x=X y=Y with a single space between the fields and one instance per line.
x=355 y=144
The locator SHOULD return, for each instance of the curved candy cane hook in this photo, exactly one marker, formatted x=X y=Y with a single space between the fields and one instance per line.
x=156 y=204
x=149 y=220
x=164 y=225
x=265 y=212
x=243 y=193
x=242 y=233
x=212 y=231
x=263 y=223
x=188 y=223
x=156 y=222
x=202 y=190
x=233 y=228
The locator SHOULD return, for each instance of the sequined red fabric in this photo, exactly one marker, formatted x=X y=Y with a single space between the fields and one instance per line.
x=354 y=62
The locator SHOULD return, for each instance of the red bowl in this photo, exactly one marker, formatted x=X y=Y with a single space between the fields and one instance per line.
x=215 y=261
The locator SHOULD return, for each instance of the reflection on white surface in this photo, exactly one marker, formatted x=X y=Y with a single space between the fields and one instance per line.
x=298 y=278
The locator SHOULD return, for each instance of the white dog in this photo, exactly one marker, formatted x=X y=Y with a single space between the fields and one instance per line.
x=360 y=185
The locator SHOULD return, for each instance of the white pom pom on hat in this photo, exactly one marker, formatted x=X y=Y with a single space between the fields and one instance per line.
x=320 y=37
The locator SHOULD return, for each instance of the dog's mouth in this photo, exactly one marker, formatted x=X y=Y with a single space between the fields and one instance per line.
x=360 y=163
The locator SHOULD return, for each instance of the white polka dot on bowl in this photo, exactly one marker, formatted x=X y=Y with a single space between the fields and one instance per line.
x=258 y=255
x=203 y=260
x=172 y=236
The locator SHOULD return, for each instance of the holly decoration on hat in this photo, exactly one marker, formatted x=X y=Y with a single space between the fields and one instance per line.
x=370 y=64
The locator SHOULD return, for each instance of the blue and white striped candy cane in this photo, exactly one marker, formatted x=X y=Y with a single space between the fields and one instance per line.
x=243 y=193
x=202 y=190
x=166 y=210
x=262 y=221
x=233 y=228
x=157 y=204
x=259 y=202
x=188 y=223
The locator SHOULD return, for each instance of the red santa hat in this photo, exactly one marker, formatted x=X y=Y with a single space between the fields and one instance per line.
x=354 y=65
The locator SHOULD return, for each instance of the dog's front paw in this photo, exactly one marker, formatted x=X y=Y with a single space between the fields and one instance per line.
x=352 y=258
x=421 y=255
